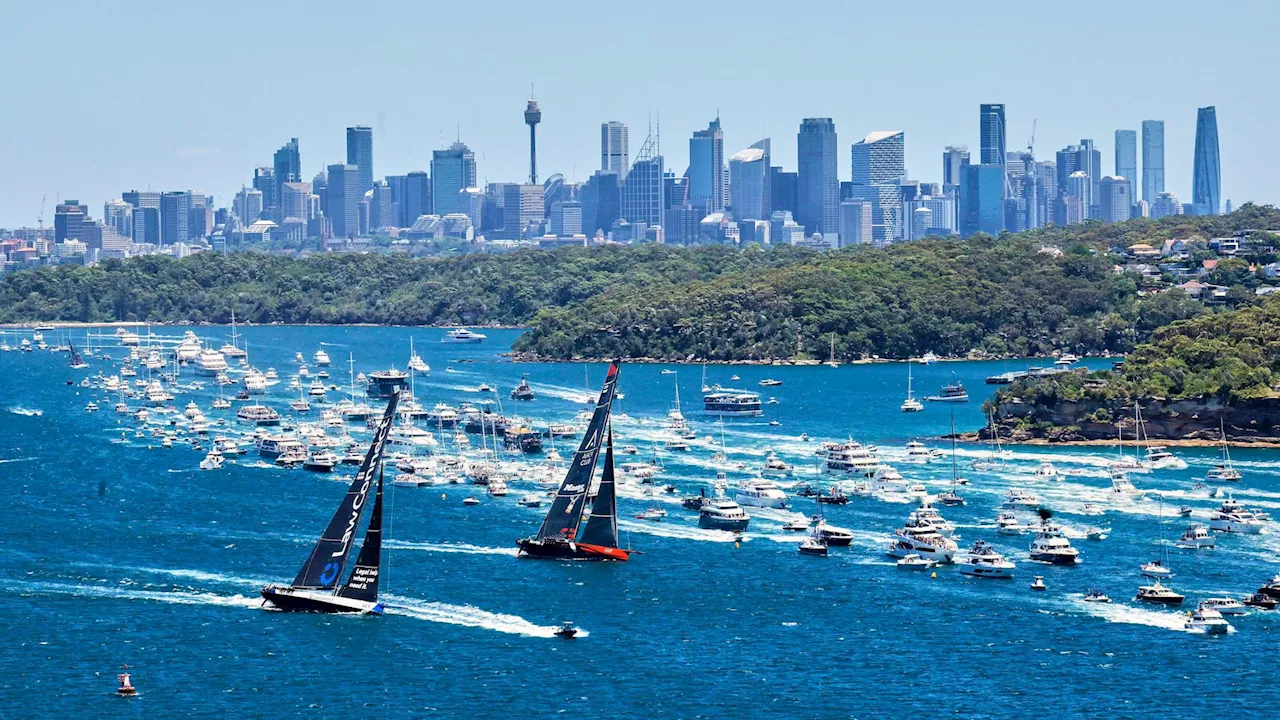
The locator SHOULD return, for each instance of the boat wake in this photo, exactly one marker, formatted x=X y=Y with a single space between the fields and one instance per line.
x=462 y=548
x=28 y=412
x=27 y=589
x=1121 y=613
x=678 y=532
x=14 y=460
x=468 y=616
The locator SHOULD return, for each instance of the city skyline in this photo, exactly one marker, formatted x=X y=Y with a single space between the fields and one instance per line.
x=208 y=144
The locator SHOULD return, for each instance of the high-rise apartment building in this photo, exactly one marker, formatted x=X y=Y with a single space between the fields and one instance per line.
x=1152 y=160
x=1206 y=186
x=614 y=155
x=817 y=184
x=452 y=171
x=360 y=154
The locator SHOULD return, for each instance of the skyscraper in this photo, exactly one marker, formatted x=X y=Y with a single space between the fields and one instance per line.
x=706 y=168
x=415 y=201
x=855 y=223
x=982 y=200
x=879 y=158
x=749 y=179
x=600 y=201
x=1114 y=200
x=817 y=184
x=264 y=181
x=641 y=199
x=452 y=171
x=295 y=200
x=955 y=158
x=1127 y=158
x=68 y=221
x=343 y=204
x=1152 y=159
x=782 y=191
x=533 y=116
x=614 y=156
x=175 y=214
x=991 y=127
x=287 y=168
x=360 y=154
x=1206 y=190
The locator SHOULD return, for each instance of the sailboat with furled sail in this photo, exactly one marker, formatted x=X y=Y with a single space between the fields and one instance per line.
x=558 y=537
x=317 y=587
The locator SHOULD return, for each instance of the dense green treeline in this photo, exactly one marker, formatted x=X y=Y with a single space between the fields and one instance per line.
x=994 y=296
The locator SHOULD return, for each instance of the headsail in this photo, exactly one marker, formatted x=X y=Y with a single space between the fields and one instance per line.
x=566 y=509
x=76 y=360
x=363 y=583
x=324 y=565
x=602 y=525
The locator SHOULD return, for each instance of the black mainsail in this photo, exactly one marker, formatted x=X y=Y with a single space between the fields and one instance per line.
x=602 y=524
x=324 y=566
x=363 y=583
x=557 y=538
x=566 y=509
x=76 y=360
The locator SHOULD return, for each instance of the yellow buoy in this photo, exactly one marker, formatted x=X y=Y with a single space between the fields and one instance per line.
x=933 y=575
x=443 y=495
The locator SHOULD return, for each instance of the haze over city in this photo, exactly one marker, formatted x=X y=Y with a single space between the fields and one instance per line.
x=197 y=96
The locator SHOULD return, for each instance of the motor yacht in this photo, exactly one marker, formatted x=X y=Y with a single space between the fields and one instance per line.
x=321 y=358
x=316 y=390
x=156 y=394
x=1261 y=601
x=1159 y=458
x=259 y=415
x=255 y=383
x=463 y=335
x=1019 y=499
x=1196 y=537
x=91 y=407
x=1122 y=488
x=188 y=349
x=918 y=452
x=761 y=493
x=922 y=538
x=722 y=514
x=321 y=461
x=530 y=501
x=1225 y=605
x=775 y=466
x=497 y=487
x=796 y=526
x=210 y=362
x=300 y=405
x=849 y=458
x=212 y=461
x=833 y=496
x=831 y=534
x=1157 y=593
x=985 y=561
x=273 y=446
x=653 y=513
x=1051 y=546
x=442 y=416
x=954 y=392
x=1207 y=620
x=815 y=544
x=292 y=457
x=930 y=514
x=1232 y=517
x=731 y=404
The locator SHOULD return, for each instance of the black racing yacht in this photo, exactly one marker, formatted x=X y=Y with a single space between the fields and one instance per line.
x=317 y=587
x=558 y=538
x=77 y=362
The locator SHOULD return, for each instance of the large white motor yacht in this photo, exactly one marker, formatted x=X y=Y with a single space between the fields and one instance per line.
x=1233 y=517
x=210 y=362
x=985 y=561
x=761 y=493
x=1051 y=546
x=923 y=539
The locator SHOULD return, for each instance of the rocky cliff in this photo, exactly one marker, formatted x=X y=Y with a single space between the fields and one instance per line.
x=1192 y=419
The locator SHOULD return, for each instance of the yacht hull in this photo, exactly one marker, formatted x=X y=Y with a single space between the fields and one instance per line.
x=292 y=600
x=563 y=550
x=1055 y=558
x=707 y=522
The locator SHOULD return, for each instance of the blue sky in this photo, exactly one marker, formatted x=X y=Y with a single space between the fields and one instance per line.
x=103 y=97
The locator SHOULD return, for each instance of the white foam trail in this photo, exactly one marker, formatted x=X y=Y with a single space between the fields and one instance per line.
x=467 y=615
x=198 y=575
x=28 y=412
x=462 y=548
x=1120 y=613
x=14 y=460
x=117 y=593
x=680 y=532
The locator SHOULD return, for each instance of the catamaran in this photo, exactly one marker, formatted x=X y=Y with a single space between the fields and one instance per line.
x=558 y=537
x=317 y=588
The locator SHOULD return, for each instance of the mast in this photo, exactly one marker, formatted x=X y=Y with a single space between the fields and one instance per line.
x=565 y=513
x=602 y=525
x=324 y=566
x=953 y=450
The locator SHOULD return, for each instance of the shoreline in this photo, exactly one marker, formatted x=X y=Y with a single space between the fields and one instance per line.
x=1262 y=443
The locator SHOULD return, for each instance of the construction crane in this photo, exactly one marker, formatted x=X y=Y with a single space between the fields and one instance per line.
x=1033 y=203
x=40 y=217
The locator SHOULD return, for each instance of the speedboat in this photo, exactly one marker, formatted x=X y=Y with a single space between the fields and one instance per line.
x=1195 y=537
x=912 y=561
x=212 y=461
x=470 y=500
x=1157 y=593
x=1046 y=471
x=770 y=382
x=1051 y=546
x=774 y=465
x=1159 y=458
x=796 y=526
x=566 y=630
x=1097 y=596
x=484 y=388
x=1261 y=601
x=1122 y=487
x=985 y=561
x=1038 y=584
x=1225 y=605
x=1156 y=569
x=1207 y=620
x=654 y=513
x=530 y=501
x=832 y=535
x=761 y=493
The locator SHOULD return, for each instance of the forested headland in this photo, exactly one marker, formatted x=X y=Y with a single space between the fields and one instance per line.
x=1035 y=293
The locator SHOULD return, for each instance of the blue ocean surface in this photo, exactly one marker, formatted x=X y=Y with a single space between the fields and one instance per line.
x=115 y=550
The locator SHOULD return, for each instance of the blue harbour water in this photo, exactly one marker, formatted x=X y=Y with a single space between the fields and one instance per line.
x=162 y=570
